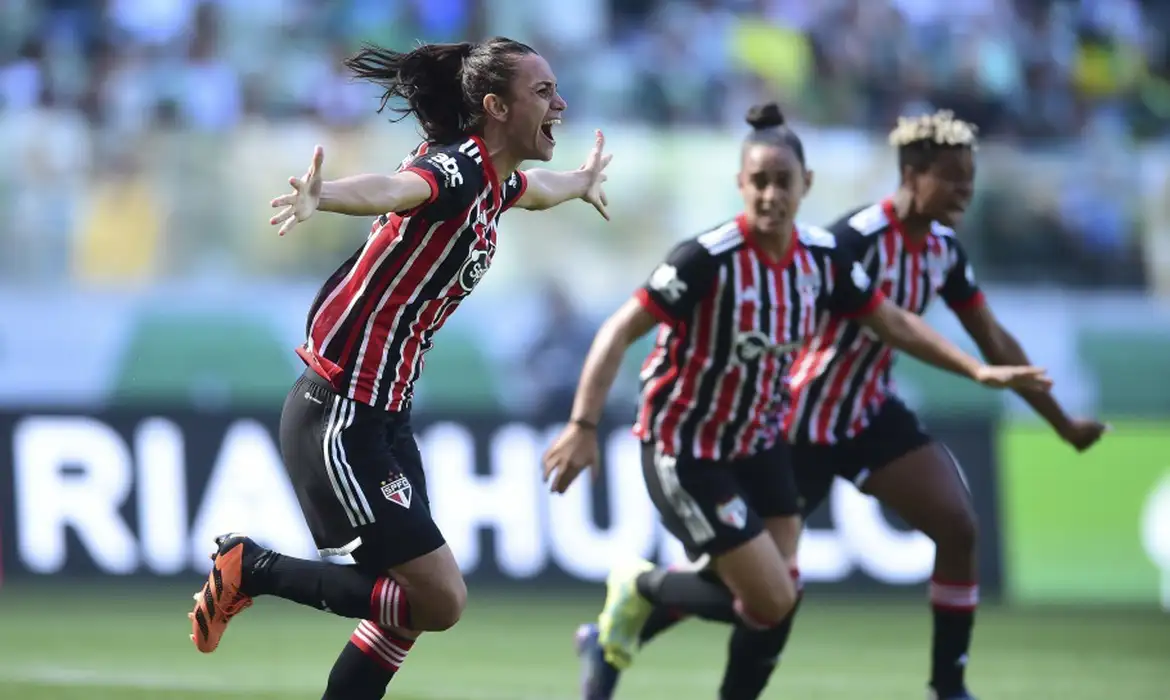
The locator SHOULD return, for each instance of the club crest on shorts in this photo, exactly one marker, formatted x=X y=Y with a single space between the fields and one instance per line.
x=398 y=491
x=732 y=513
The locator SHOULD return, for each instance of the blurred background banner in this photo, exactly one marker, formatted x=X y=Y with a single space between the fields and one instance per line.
x=128 y=492
x=1096 y=529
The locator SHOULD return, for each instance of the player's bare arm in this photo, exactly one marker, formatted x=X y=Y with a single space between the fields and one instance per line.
x=357 y=195
x=1000 y=347
x=911 y=334
x=548 y=188
x=575 y=449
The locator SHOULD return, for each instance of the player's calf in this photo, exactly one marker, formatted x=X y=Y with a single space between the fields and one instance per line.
x=367 y=664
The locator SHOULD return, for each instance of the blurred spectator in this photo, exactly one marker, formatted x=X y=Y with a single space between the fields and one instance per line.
x=89 y=79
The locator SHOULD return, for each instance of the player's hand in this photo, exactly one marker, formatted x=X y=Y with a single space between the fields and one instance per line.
x=574 y=450
x=595 y=165
x=1083 y=433
x=1017 y=378
x=300 y=204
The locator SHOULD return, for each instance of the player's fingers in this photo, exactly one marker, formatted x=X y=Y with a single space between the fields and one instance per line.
x=288 y=225
x=282 y=216
x=605 y=160
x=604 y=199
x=296 y=183
x=318 y=158
x=550 y=465
x=284 y=200
x=597 y=204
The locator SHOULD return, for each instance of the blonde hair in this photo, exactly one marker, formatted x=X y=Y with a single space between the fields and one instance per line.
x=934 y=130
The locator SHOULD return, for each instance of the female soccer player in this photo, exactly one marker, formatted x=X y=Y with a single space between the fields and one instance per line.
x=345 y=429
x=846 y=419
x=731 y=305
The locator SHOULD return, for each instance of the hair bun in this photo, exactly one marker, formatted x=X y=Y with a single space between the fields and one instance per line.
x=765 y=116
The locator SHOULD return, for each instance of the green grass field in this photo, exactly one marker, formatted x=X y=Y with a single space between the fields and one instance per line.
x=62 y=643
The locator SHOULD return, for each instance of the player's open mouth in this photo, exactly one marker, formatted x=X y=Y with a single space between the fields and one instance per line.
x=546 y=129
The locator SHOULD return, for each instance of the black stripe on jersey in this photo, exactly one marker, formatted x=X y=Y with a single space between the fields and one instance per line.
x=853 y=387
x=445 y=274
x=747 y=392
x=721 y=337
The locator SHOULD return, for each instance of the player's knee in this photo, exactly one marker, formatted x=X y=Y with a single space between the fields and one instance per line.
x=958 y=531
x=445 y=604
x=769 y=608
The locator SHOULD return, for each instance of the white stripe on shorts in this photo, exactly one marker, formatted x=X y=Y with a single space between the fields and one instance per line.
x=341 y=476
x=683 y=504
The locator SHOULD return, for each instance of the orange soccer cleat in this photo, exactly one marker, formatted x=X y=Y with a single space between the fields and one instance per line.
x=221 y=598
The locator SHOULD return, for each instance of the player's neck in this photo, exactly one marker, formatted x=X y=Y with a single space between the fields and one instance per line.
x=504 y=164
x=914 y=225
x=775 y=244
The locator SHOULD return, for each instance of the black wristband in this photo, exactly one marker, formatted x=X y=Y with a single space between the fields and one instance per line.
x=581 y=422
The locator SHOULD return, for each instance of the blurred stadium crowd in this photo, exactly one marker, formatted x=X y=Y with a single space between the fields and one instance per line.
x=86 y=84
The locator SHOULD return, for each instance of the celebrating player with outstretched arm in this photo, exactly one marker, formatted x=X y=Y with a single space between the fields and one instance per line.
x=345 y=429
x=846 y=419
x=731 y=305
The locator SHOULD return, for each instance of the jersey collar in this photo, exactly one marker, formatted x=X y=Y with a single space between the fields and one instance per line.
x=750 y=238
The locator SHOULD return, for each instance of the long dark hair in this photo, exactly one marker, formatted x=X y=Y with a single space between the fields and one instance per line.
x=443 y=85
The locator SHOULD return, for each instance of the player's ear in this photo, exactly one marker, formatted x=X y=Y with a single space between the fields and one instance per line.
x=808 y=180
x=495 y=107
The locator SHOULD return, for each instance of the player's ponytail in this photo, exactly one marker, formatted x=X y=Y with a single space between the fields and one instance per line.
x=769 y=127
x=443 y=85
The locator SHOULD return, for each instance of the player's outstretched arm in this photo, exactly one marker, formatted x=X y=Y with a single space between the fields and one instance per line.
x=359 y=195
x=999 y=347
x=908 y=332
x=575 y=449
x=548 y=188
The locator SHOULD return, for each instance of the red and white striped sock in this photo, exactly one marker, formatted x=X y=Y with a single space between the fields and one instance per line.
x=954 y=595
x=387 y=650
x=388 y=604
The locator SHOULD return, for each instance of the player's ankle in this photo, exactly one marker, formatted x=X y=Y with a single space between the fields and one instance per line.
x=256 y=579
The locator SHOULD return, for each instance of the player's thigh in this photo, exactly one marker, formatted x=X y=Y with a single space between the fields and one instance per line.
x=408 y=542
x=703 y=505
x=769 y=485
x=916 y=477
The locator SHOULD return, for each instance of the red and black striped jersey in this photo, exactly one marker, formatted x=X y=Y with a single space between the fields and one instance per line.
x=731 y=317
x=377 y=315
x=841 y=378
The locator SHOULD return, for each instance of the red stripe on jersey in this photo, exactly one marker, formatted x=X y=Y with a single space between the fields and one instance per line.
x=977 y=299
x=683 y=396
x=652 y=307
x=382 y=259
x=728 y=388
x=410 y=359
x=380 y=328
x=642 y=427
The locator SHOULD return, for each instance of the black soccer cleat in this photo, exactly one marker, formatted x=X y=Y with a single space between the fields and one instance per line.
x=598 y=678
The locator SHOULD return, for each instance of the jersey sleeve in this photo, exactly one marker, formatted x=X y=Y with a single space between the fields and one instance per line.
x=455 y=180
x=960 y=290
x=677 y=285
x=854 y=290
x=514 y=188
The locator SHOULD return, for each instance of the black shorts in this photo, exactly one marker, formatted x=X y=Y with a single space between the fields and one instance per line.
x=358 y=476
x=713 y=507
x=893 y=432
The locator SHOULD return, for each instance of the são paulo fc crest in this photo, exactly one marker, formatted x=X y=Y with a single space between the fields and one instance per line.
x=398 y=491
x=732 y=513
